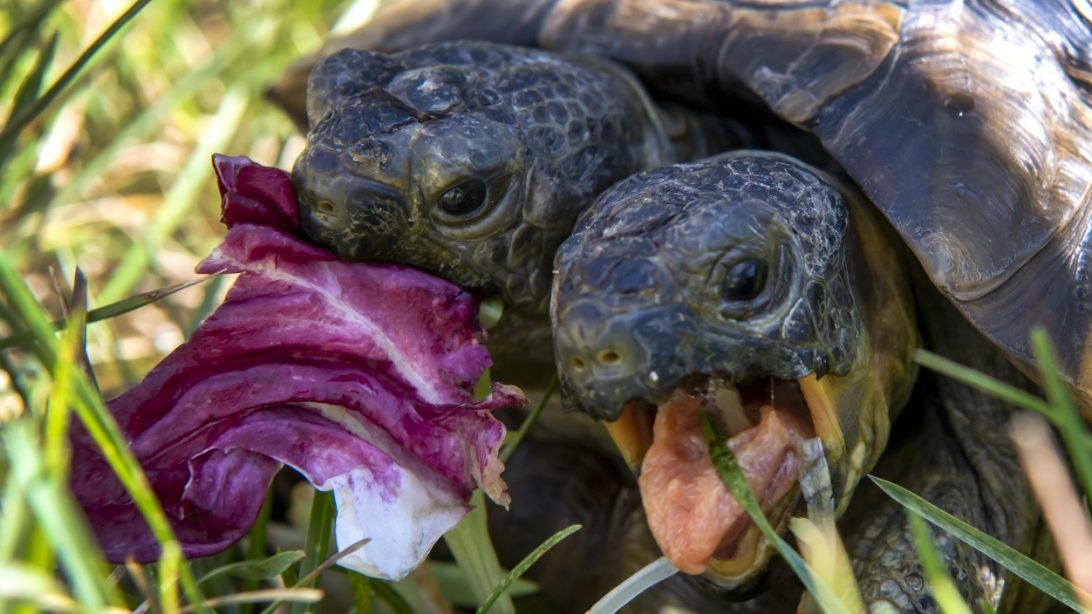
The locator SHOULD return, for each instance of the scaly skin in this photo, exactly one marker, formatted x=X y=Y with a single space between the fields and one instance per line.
x=645 y=286
x=471 y=161
x=980 y=162
x=970 y=470
x=522 y=139
x=536 y=136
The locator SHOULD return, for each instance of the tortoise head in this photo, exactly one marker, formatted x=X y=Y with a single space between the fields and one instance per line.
x=744 y=287
x=468 y=160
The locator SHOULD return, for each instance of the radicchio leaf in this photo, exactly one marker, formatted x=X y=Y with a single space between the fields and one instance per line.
x=360 y=376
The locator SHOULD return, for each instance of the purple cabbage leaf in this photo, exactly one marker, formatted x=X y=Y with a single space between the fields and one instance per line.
x=359 y=376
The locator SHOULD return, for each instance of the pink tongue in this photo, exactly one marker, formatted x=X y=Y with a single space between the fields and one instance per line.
x=690 y=511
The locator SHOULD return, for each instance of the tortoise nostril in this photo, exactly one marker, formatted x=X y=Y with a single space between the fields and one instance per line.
x=610 y=357
x=578 y=363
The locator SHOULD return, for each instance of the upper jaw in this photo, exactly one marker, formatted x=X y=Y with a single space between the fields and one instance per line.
x=604 y=363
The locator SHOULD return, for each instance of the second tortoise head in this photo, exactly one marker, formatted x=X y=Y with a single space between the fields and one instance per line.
x=468 y=160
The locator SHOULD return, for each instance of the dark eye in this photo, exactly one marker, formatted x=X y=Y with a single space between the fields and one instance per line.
x=464 y=198
x=744 y=280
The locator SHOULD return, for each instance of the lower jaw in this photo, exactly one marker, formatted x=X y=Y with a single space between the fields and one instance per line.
x=739 y=558
x=750 y=551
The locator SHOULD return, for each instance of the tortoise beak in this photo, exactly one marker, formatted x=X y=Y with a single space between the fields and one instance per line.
x=631 y=431
x=606 y=360
x=353 y=216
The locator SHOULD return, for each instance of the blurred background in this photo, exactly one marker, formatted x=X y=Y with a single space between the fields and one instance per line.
x=114 y=177
x=109 y=113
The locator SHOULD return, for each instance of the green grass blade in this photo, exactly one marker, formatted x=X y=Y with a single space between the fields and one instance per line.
x=57 y=514
x=473 y=550
x=319 y=528
x=453 y=585
x=256 y=538
x=57 y=413
x=32 y=84
x=1070 y=425
x=944 y=591
x=525 y=564
x=112 y=310
x=14 y=522
x=151 y=117
x=1023 y=566
x=256 y=570
x=14 y=42
x=313 y=574
x=102 y=428
x=730 y=473
x=18 y=169
x=18 y=383
x=983 y=382
x=490 y=311
x=363 y=595
x=137 y=301
x=23 y=118
x=210 y=300
x=387 y=593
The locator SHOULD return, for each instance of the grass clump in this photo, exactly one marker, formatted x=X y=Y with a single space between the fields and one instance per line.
x=110 y=115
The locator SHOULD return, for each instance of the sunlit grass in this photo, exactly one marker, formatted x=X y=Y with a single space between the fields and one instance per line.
x=111 y=113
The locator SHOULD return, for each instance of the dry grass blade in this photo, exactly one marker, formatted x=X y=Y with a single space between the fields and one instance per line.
x=21 y=118
x=330 y=562
x=824 y=552
x=1062 y=508
x=74 y=306
x=278 y=595
x=1070 y=423
x=143 y=586
x=313 y=574
x=21 y=584
x=650 y=575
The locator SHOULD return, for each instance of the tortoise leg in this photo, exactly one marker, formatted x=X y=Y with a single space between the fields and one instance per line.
x=951 y=446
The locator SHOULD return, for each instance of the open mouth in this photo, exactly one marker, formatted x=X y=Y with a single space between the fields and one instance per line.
x=697 y=523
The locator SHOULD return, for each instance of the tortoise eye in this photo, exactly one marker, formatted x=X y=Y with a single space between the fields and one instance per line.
x=463 y=199
x=744 y=280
